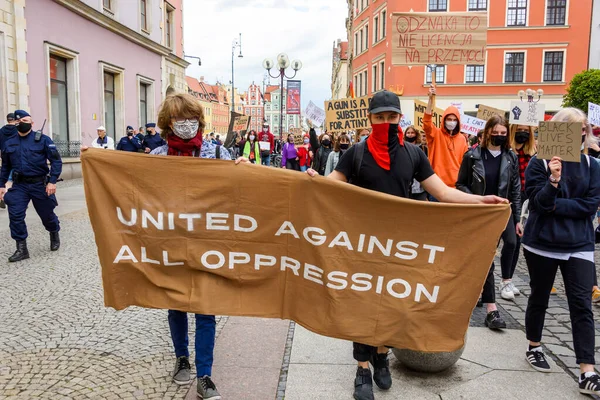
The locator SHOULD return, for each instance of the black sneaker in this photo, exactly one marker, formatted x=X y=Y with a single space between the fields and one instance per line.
x=537 y=359
x=363 y=384
x=206 y=389
x=589 y=385
x=181 y=372
x=494 y=320
x=381 y=368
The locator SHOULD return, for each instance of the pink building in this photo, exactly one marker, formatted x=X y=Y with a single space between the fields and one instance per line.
x=255 y=107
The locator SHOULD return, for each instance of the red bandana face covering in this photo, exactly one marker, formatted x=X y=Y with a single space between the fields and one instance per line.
x=383 y=142
x=182 y=147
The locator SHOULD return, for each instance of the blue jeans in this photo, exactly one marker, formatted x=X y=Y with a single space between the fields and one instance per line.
x=433 y=199
x=205 y=339
x=303 y=169
x=266 y=160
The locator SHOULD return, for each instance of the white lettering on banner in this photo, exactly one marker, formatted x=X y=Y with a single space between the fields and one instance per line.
x=471 y=125
x=594 y=114
x=314 y=114
x=526 y=113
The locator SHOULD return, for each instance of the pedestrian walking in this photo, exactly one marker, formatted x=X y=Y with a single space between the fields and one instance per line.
x=266 y=142
x=130 y=142
x=103 y=141
x=27 y=154
x=322 y=147
x=289 y=155
x=152 y=140
x=387 y=164
x=412 y=136
x=493 y=169
x=305 y=154
x=251 y=148
x=342 y=144
x=6 y=132
x=563 y=198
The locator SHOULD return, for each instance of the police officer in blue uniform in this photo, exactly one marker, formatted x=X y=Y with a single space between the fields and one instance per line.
x=7 y=131
x=130 y=142
x=27 y=155
x=152 y=139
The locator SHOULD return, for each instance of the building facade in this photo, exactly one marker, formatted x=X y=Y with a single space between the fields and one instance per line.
x=198 y=89
x=272 y=112
x=531 y=44
x=339 y=70
x=220 y=107
x=255 y=107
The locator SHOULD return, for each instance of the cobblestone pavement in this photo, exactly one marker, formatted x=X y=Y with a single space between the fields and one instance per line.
x=58 y=341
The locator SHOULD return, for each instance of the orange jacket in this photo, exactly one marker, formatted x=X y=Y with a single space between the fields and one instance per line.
x=445 y=152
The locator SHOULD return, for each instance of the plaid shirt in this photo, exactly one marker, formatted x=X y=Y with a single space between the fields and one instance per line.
x=523 y=162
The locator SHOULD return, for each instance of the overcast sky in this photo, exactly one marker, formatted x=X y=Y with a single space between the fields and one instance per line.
x=304 y=29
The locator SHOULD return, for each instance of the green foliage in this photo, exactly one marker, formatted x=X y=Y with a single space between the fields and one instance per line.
x=584 y=88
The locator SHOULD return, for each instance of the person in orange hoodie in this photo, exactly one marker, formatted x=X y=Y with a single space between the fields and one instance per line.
x=446 y=145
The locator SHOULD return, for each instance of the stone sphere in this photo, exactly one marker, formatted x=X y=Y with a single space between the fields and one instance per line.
x=428 y=362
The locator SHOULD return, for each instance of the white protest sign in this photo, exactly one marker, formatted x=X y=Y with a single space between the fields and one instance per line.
x=405 y=123
x=459 y=105
x=314 y=114
x=594 y=113
x=471 y=125
x=526 y=113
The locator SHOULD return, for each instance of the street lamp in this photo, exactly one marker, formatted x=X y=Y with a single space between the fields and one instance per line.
x=197 y=58
x=530 y=95
x=236 y=43
x=283 y=62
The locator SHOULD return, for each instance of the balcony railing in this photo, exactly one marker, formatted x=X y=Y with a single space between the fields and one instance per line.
x=68 y=148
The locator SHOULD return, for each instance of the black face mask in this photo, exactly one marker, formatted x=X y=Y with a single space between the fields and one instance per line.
x=129 y=133
x=344 y=146
x=148 y=132
x=410 y=139
x=290 y=140
x=24 y=127
x=326 y=142
x=498 y=140
x=522 y=137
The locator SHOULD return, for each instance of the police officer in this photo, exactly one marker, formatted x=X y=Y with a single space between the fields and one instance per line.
x=152 y=139
x=27 y=155
x=130 y=142
x=7 y=131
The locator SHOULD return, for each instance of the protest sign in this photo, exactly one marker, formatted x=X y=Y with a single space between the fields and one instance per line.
x=405 y=123
x=240 y=123
x=471 y=125
x=594 y=114
x=347 y=114
x=439 y=38
x=314 y=114
x=293 y=98
x=458 y=105
x=526 y=113
x=559 y=139
x=485 y=112
x=420 y=107
x=406 y=279
x=298 y=136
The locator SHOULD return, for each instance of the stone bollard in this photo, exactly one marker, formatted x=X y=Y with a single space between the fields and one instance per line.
x=428 y=362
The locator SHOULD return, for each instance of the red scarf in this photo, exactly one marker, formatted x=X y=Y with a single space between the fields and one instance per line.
x=181 y=147
x=380 y=146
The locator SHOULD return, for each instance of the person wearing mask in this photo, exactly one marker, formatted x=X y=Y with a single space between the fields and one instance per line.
x=139 y=135
x=446 y=145
x=103 y=141
x=130 y=142
x=27 y=155
x=563 y=198
x=289 y=155
x=325 y=147
x=152 y=140
x=362 y=134
x=493 y=169
x=6 y=132
x=342 y=144
x=235 y=149
x=251 y=148
x=389 y=165
x=594 y=149
x=412 y=136
x=266 y=141
x=305 y=154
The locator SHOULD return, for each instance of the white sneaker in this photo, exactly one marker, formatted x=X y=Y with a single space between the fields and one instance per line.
x=506 y=291
x=515 y=290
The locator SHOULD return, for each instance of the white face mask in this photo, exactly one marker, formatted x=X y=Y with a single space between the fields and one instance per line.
x=306 y=140
x=252 y=137
x=451 y=125
x=186 y=130
x=265 y=130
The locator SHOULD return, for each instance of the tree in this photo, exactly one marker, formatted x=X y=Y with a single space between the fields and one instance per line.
x=584 y=88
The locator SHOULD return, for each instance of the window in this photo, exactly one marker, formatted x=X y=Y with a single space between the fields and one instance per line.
x=110 y=122
x=382 y=73
x=514 y=65
x=106 y=4
x=356 y=43
x=144 y=15
x=477 y=5
x=58 y=98
x=361 y=41
x=553 y=66
x=366 y=83
x=143 y=104
x=383 y=23
x=517 y=13
x=169 y=28
x=374 y=76
x=475 y=74
x=366 y=28
x=375 y=29
x=438 y=5
x=556 y=14
x=440 y=74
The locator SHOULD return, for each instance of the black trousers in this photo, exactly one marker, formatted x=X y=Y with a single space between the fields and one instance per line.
x=518 y=245
x=363 y=352
x=488 y=295
x=507 y=257
x=578 y=276
x=293 y=164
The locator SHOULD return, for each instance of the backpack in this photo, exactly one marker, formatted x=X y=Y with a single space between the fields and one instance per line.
x=412 y=150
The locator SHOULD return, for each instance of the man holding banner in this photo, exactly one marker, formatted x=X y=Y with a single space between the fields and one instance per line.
x=384 y=163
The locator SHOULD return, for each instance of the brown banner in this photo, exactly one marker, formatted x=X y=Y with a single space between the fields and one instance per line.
x=355 y=264
x=439 y=38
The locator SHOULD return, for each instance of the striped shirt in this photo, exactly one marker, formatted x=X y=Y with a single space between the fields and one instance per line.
x=208 y=150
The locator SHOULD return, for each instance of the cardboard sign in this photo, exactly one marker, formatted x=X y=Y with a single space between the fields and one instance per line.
x=166 y=244
x=241 y=123
x=471 y=125
x=314 y=114
x=594 y=114
x=347 y=114
x=439 y=38
x=559 y=139
x=486 y=112
x=526 y=113
x=420 y=107
x=298 y=136
x=265 y=146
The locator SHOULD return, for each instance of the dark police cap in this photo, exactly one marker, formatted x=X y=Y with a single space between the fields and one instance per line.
x=21 y=114
x=10 y=117
x=151 y=125
x=384 y=101
x=129 y=127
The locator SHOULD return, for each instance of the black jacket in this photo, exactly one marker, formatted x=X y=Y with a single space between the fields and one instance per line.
x=471 y=177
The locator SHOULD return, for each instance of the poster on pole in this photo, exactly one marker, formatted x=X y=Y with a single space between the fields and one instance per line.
x=526 y=113
x=314 y=114
x=559 y=139
x=347 y=114
x=240 y=123
x=471 y=125
x=293 y=98
x=486 y=112
x=439 y=38
x=594 y=113
x=420 y=107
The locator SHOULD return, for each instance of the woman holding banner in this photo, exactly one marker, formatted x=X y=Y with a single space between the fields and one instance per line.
x=492 y=169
